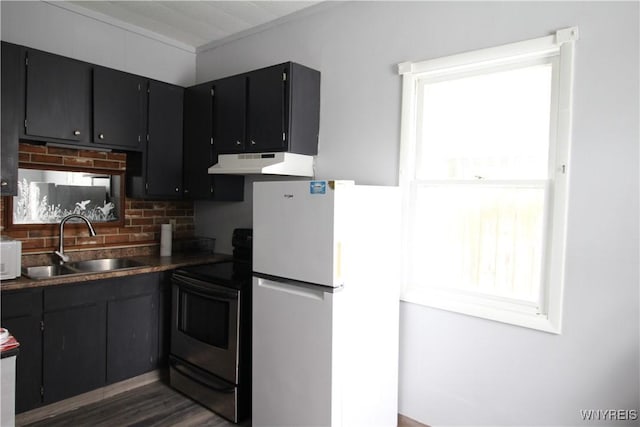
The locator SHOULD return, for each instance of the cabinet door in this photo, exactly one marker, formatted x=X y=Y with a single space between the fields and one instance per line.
x=74 y=339
x=58 y=97
x=164 y=148
x=266 y=110
x=74 y=351
x=21 y=315
x=198 y=151
x=229 y=112
x=132 y=336
x=198 y=146
x=12 y=115
x=118 y=108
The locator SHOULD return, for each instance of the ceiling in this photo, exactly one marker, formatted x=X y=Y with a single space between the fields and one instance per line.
x=193 y=24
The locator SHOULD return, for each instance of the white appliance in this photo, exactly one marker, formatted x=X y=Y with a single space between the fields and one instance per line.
x=325 y=304
x=10 y=258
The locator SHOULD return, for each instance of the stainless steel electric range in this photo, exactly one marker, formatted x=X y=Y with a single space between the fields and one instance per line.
x=210 y=358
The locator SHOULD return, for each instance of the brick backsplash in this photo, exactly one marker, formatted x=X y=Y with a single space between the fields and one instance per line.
x=142 y=218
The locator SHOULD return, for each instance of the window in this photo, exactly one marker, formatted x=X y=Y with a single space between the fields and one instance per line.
x=484 y=172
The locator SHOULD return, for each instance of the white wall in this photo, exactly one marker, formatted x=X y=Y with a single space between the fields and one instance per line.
x=51 y=28
x=457 y=369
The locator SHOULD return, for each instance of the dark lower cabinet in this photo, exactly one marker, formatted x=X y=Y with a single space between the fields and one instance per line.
x=78 y=337
x=132 y=328
x=74 y=323
x=21 y=315
x=73 y=351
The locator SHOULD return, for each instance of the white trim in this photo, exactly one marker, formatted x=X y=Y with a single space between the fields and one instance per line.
x=121 y=24
x=539 y=47
x=561 y=47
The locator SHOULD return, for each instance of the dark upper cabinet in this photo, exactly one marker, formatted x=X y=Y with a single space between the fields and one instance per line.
x=266 y=109
x=281 y=111
x=12 y=96
x=21 y=315
x=229 y=114
x=157 y=171
x=58 y=100
x=164 y=148
x=198 y=150
x=119 y=108
x=70 y=101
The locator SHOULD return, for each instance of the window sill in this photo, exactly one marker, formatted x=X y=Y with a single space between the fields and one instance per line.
x=484 y=309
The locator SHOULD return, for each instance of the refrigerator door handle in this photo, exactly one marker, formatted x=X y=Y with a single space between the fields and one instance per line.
x=314 y=294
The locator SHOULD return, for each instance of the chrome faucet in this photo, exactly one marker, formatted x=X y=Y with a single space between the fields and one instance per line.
x=60 y=252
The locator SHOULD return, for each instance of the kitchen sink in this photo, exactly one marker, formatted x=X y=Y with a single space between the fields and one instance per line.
x=80 y=267
x=45 y=271
x=105 y=264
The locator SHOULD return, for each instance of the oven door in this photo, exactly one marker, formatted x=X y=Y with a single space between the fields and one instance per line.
x=204 y=326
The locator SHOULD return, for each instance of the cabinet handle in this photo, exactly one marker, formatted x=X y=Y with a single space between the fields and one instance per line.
x=4 y=183
x=101 y=135
x=238 y=143
x=76 y=132
x=177 y=189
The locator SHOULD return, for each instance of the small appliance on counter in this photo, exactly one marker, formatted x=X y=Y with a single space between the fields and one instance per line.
x=10 y=258
x=210 y=357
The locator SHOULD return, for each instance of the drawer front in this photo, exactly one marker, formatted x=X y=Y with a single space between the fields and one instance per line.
x=77 y=294
x=21 y=303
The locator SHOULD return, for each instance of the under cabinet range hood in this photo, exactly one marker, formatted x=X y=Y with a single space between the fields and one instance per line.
x=282 y=163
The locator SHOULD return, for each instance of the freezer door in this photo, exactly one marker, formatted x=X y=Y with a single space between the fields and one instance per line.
x=292 y=355
x=295 y=231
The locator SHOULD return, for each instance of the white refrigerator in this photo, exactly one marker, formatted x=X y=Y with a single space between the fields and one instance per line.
x=325 y=304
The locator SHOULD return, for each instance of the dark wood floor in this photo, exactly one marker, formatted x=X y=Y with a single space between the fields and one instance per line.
x=155 y=404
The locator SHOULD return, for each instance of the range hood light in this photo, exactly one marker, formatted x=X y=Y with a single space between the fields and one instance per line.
x=264 y=163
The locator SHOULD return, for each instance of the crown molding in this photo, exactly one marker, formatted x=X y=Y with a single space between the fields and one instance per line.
x=121 y=24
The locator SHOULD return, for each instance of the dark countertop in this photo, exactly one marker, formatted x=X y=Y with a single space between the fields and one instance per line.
x=152 y=264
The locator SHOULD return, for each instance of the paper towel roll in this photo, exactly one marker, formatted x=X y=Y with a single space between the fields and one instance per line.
x=165 y=240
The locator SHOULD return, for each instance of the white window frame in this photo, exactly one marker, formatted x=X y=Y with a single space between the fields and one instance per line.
x=548 y=315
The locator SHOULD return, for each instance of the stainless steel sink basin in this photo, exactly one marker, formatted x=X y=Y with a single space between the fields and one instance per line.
x=105 y=264
x=45 y=271
x=80 y=267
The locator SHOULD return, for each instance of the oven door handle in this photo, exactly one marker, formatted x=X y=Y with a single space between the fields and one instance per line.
x=217 y=386
x=205 y=289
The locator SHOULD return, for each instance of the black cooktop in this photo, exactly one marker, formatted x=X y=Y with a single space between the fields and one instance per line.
x=234 y=274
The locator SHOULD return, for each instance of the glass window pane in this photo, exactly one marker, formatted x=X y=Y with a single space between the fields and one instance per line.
x=479 y=238
x=493 y=126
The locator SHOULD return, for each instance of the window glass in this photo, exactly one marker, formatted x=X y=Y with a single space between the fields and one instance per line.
x=492 y=126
